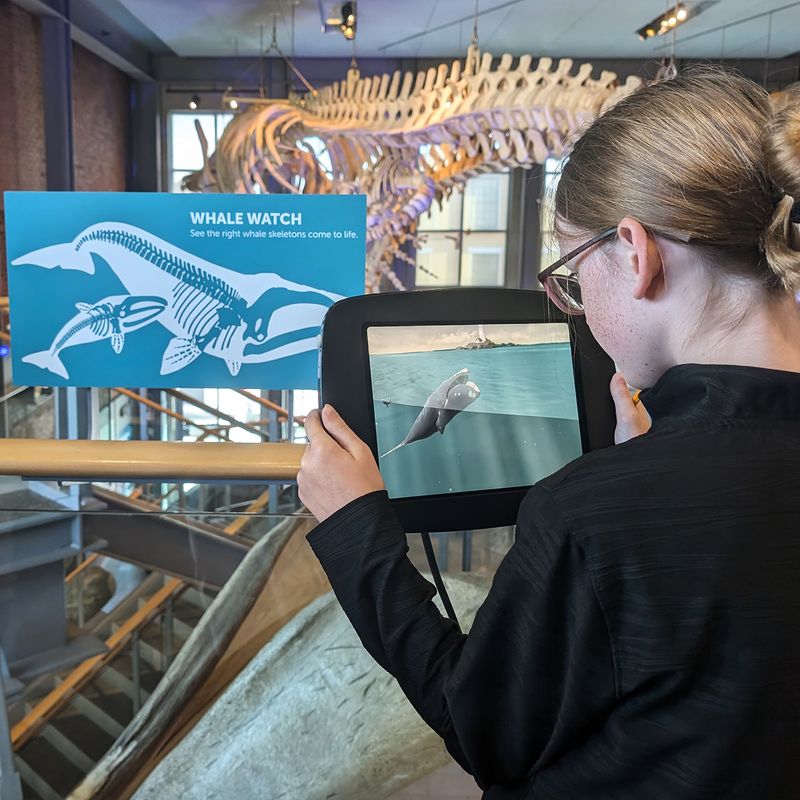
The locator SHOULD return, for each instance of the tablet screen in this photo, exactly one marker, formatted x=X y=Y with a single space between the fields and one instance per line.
x=464 y=408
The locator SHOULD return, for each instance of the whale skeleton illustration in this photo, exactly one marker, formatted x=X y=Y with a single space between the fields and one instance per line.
x=110 y=318
x=239 y=318
x=452 y=396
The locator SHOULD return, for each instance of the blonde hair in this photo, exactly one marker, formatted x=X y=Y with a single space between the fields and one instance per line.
x=704 y=154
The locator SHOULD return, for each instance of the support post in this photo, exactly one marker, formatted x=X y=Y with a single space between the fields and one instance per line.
x=466 y=551
x=10 y=785
x=136 y=670
x=274 y=434
x=59 y=139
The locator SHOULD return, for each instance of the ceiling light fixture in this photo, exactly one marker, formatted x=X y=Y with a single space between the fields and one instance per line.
x=194 y=102
x=348 y=26
x=668 y=21
x=339 y=18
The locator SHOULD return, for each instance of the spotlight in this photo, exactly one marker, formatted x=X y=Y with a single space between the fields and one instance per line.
x=348 y=25
x=233 y=104
x=194 y=102
x=669 y=20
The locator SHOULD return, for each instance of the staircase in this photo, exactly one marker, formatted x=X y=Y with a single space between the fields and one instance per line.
x=68 y=746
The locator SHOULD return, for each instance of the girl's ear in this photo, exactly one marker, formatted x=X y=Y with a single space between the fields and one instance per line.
x=638 y=255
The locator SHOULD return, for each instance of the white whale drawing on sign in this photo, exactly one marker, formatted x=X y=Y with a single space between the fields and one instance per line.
x=237 y=317
x=110 y=318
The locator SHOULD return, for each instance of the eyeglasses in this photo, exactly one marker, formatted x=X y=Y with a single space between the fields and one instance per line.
x=563 y=289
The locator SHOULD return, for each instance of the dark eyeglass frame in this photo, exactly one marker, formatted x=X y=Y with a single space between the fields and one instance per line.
x=547 y=278
x=560 y=296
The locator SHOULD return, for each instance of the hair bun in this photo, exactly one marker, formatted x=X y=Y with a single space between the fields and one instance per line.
x=781 y=240
x=782 y=143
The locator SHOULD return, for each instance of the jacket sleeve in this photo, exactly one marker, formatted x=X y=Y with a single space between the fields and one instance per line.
x=535 y=672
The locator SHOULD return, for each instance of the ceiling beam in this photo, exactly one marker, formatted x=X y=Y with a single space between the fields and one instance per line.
x=97 y=33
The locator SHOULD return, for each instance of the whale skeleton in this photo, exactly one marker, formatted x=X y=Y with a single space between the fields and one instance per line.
x=237 y=317
x=405 y=140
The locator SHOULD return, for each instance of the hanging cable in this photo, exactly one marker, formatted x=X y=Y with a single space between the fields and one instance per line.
x=769 y=47
x=273 y=45
x=261 y=65
x=437 y=578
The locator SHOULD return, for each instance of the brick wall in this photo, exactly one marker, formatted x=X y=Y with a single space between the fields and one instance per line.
x=100 y=96
x=101 y=116
x=22 y=164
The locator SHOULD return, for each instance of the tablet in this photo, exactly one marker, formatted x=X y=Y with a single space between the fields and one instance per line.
x=467 y=397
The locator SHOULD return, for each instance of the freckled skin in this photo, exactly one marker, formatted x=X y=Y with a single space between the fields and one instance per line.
x=630 y=331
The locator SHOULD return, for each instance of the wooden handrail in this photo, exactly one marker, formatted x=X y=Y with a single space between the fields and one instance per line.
x=81 y=459
x=87 y=562
x=29 y=725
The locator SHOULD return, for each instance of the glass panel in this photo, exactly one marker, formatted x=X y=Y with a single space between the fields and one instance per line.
x=550 y=249
x=223 y=119
x=437 y=260
x=484 y=259
x=184 y=150
x=175 y=178
x=27 y=412
x=446 y=218
x=486 y=203
x=110 y=625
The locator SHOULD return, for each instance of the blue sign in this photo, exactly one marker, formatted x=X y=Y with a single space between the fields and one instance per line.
x=167 y=290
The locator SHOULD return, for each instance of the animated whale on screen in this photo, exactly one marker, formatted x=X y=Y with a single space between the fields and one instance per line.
x=239 y=318
x=452 y=395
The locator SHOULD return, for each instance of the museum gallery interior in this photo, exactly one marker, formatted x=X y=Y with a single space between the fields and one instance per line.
x=218 y=216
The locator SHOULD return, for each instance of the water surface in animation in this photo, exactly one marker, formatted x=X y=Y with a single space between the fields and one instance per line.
x=463 y=408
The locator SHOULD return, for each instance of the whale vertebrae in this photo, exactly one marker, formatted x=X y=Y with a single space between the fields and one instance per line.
x=180 y=268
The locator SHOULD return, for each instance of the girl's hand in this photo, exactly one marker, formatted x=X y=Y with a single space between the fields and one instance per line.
x=337 y=467
x=632 y=418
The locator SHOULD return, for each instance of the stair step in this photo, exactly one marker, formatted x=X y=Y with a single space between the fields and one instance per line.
x=101 y=718
x=197 y=598
x=47 y=763
x=67 y=748
x=38 y=785
x=112 y=679
x=79 y=729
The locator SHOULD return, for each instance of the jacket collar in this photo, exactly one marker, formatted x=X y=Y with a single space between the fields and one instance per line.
x=711 y=392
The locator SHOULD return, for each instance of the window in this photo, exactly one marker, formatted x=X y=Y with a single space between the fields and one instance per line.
x=549 y=252
x=463 y=243
x=184 y=154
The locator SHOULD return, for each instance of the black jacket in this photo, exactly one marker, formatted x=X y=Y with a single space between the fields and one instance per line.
x=641 y=639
